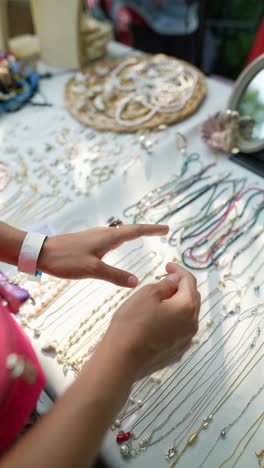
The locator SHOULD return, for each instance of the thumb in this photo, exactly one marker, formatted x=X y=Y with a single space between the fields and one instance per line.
x=167 y=287
x=116 y=276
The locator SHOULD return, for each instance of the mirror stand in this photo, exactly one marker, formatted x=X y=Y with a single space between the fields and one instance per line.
x=248 y=99
x=254 y=163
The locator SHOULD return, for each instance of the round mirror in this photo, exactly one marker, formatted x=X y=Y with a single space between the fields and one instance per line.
x=248 y=99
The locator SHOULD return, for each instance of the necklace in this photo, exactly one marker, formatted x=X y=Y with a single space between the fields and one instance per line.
x=139 y=263
x=260 y=456
x=128 y=450
x=153 y=95
x=197 y=386
x=44 y=300
x=146 y=441
x=162 y=194
x=237 y=231
x=71 y=358
x=241 y=250
x=208 y=398
x=256 y=425
x=137 y=398
x=235 y=384
x=225 y=430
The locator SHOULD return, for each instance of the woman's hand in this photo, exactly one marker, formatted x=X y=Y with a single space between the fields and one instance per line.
x=155 y=326
x=79 y=255
x=151 y=329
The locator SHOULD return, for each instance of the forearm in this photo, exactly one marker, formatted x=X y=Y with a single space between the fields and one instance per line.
x=11 y=240
x=69 y=436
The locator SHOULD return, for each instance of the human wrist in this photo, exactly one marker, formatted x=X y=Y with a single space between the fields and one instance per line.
x=45 y=259
x=111 y=367
x=11 y=243
x=29 y=253
x=125 y=348
x=16 y=242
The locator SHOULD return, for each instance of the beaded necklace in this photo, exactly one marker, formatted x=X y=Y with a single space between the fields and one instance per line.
x=215 y=252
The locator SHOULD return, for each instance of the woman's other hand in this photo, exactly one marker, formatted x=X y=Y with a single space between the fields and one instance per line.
x=156 y=325
x=79 y=255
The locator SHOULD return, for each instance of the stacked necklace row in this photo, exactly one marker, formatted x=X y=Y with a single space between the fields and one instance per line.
x=77 y=302
x=139 y=437
x=227 y=211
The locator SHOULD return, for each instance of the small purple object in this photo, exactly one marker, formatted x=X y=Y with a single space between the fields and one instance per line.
x=12 y=294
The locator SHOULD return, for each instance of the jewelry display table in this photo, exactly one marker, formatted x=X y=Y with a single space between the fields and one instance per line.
x=47 y=136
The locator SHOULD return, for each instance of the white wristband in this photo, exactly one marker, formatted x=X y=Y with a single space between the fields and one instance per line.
x=29 y=253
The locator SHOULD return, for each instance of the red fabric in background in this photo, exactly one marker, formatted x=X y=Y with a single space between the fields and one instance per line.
x=125 y=17
x=258 y=45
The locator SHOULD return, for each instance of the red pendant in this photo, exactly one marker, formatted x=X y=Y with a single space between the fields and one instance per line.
x=123 y=437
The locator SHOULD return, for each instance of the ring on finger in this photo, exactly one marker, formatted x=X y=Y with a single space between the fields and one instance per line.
x=115 y=222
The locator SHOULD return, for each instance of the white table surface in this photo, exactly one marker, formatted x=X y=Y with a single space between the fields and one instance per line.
x=42 y=126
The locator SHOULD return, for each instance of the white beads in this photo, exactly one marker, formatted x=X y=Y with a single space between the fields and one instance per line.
x=145 y=441
x=117 y=423
x=99 y=103
x=195 y=340
x=140 y=403
x=124 y=450
x=209 y=322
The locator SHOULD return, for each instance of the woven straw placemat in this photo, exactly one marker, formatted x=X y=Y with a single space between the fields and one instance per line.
x=79 y=98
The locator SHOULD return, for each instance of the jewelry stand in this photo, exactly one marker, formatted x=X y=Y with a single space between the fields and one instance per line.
x=24 y=47
x=68 y=37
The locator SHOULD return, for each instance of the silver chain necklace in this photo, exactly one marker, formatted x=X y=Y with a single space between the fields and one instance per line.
x=128 y=450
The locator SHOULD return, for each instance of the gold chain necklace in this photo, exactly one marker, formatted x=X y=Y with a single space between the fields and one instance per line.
x=256 y=423
x=260 y=456
x=231 y=389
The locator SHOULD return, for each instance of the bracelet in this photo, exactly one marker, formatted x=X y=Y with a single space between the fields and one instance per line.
x=29 y=253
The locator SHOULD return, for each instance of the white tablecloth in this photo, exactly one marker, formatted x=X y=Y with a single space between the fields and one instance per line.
x=33 y=128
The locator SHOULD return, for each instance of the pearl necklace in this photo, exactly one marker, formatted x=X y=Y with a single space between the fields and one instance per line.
x=48 y=291
x=72 y=358
x=164 y=87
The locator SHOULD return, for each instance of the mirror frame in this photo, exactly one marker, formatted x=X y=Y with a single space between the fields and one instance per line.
x=240 y=86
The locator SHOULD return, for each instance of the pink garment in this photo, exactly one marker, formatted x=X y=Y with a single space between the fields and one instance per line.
x=18 y=398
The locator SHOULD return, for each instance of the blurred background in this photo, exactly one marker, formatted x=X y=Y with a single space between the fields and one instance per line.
x=218 y=37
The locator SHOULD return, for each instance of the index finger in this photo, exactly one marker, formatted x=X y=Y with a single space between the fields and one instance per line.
x=128 y=232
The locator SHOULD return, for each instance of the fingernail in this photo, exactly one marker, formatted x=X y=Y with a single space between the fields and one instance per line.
x=172 y=265
x=173 y=277
x=132 y=281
